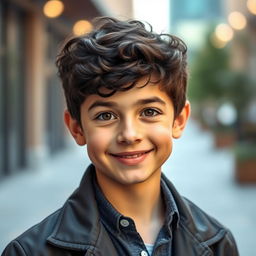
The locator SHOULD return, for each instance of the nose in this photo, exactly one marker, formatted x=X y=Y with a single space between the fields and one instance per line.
x=129 y=133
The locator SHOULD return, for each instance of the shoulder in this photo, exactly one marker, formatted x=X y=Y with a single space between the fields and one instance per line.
x=207 y=230
x=74 y=227
x=14 y=248
x=193 y=217
x=195 y=226
x=34 y=239
x=198 y=221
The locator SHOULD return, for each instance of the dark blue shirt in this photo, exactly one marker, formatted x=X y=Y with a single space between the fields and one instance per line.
x=122 y=229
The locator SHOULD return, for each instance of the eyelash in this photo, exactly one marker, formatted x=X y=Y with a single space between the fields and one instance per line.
x=155 y=112
x=99 y=116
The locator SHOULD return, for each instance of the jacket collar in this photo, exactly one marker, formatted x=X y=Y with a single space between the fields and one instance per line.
x=78 y=225
x=196 y=231
x=79 y=228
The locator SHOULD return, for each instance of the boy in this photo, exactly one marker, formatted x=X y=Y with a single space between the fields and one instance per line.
x=125 y=89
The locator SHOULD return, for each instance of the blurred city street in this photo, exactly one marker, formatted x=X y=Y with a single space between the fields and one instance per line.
x=200 y=173
x=221 y=53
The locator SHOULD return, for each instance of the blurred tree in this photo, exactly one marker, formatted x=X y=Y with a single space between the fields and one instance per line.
x=239 y=90
x=208 y=68
x=213 y=83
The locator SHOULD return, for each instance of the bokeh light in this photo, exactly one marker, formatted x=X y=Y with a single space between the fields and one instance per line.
x=224 y=32
x=82 y=27
x=216 y=42
x=237 y=20
x=227 y=114
x=251 y=5
x=53 y=8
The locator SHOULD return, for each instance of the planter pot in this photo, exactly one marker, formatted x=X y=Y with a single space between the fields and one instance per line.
x=246 y=171
x=224 y=139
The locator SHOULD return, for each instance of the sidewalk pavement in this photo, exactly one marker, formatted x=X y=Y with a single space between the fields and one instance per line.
x=198 y=171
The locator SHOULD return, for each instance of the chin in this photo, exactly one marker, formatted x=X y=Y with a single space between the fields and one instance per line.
x=136 y=179
x=132 y=182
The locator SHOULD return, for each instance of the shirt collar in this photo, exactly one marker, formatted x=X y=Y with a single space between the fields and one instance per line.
x=172 y=215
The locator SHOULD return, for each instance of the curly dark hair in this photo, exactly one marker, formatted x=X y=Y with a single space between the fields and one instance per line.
x=114 y=56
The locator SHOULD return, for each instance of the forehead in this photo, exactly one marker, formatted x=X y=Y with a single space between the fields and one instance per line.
x=138 y=95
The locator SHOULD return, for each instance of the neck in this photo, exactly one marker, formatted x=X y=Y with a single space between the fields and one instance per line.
x=142 y=202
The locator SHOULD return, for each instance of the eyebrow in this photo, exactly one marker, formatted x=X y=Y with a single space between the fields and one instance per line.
x=150 y=100
x=102 y=104
x=114 y=104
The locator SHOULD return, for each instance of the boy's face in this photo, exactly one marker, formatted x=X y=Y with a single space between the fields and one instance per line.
x=128 y=135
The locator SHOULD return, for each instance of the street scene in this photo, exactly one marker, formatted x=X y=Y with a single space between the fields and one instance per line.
x=213 y=164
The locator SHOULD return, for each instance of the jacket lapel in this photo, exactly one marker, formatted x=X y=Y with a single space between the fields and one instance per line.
x=185 y=243
x=78 y=226
x=194 y=228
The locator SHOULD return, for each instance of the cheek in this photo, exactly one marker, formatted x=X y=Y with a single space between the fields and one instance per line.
x=162 y=136
x=164 y=129
x=97 y=141
x=96 y=146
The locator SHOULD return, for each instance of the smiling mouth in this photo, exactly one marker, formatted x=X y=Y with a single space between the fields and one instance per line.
x=133 y=158
x=131 y=155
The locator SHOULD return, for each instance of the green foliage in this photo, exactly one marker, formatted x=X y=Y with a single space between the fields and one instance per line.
x=238 y=90
x=245 y=151
x=208 y=71
x=212 y=79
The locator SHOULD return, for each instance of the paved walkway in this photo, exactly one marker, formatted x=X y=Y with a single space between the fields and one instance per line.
x=199 y=172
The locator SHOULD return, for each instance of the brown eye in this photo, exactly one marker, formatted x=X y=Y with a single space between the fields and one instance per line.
x=105 y=116
x=150 y=112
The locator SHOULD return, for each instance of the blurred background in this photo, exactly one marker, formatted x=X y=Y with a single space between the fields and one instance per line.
x=214 y=164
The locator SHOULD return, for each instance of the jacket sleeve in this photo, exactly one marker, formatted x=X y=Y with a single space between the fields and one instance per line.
x=14 y=249
x=226 y=246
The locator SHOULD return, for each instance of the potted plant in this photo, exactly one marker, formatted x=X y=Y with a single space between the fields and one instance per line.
x=224 y=136
x=245 y=162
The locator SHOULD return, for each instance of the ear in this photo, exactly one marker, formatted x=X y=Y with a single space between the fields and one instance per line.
x=74 y=128
x=180 y=121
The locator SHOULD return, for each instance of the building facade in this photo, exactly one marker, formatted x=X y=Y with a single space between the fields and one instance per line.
x=190 y=19
x=31 y=98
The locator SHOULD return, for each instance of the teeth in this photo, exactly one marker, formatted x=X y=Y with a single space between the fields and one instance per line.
x=131 y=156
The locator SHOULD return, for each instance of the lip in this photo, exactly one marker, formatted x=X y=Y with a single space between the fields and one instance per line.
x=131 y=157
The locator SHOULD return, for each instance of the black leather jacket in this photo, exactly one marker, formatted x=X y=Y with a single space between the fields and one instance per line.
x=76 y=230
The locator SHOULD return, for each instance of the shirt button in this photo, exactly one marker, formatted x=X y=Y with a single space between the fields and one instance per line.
x=143 y=253
x=124 y=223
